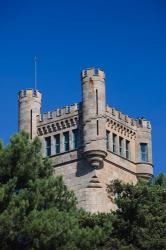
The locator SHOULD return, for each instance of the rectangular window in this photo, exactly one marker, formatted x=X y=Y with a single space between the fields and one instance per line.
x=75 y=138
x=121 y=149
x=57 y=144
x=143 y=152
x=48 y=145
x=108 y=139
x=127 y=149
x=66 y=141
x=114 y=143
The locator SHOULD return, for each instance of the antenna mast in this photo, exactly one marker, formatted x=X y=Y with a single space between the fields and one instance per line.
x=35 y=61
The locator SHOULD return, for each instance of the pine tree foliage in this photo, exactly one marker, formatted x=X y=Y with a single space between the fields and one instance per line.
x=36 y=209
x=140 y=220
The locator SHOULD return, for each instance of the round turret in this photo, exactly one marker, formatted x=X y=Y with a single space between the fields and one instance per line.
x=93 y=115
x=29 y=108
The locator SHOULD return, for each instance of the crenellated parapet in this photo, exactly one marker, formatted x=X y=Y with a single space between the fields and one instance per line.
x=142 y=123
x=127 y=121
x=58 y=120
x=93 y=72
x=59 y=114
x=120 y=117
x=29 y=93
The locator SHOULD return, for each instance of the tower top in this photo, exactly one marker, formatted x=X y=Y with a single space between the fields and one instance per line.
x=90 y=72
x=29 y=93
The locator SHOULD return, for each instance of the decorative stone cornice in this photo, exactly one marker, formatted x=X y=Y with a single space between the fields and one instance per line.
x=120 y=128
x=57 y=126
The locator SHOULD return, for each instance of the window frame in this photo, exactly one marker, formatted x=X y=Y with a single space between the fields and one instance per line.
x=143 y=154
x=57 y=145
x=66 y=143
x=108 y=139
x=75 y=138
x=128 y=156
x=48 y=146
x=121 y=146
x=114 y=143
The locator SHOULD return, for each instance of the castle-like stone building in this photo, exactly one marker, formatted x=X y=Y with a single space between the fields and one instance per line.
x=90 y=143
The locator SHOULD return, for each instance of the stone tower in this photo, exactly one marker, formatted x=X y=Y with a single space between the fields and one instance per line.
x=143 y=138
x=90 y=143
x=93 y=116
x=29 y=108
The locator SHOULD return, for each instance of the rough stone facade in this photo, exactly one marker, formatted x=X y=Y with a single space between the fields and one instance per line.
x=90 y=143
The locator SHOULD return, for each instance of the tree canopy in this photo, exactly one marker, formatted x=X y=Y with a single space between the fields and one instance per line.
x=37 y=211
x=140 y=220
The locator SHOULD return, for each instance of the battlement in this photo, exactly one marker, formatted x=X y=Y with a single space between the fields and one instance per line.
x=143 y=123
x=89 y=143
x=135 y=123
x=90 y=72
x=58 y=113
x=29 y=93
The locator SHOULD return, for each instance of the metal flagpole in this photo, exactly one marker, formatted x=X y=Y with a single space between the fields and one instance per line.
x=35 y=61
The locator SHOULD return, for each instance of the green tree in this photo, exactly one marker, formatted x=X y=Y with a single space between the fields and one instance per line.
x=36 y=209
x=140 y=220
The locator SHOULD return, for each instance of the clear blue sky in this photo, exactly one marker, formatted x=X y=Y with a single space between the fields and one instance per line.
x=127 y=38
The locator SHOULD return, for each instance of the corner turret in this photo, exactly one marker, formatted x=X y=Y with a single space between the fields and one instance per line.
x=94 y=122
x=29 y=108
x=144 y=149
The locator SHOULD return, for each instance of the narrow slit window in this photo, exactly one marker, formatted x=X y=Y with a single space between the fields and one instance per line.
x=31 y=124
x=127 y=149
x=108 y=139
x=114 y=143
x=48 y=145
x=66 y=141
x=57 y=144
x=97 y=105
x=97 y=124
